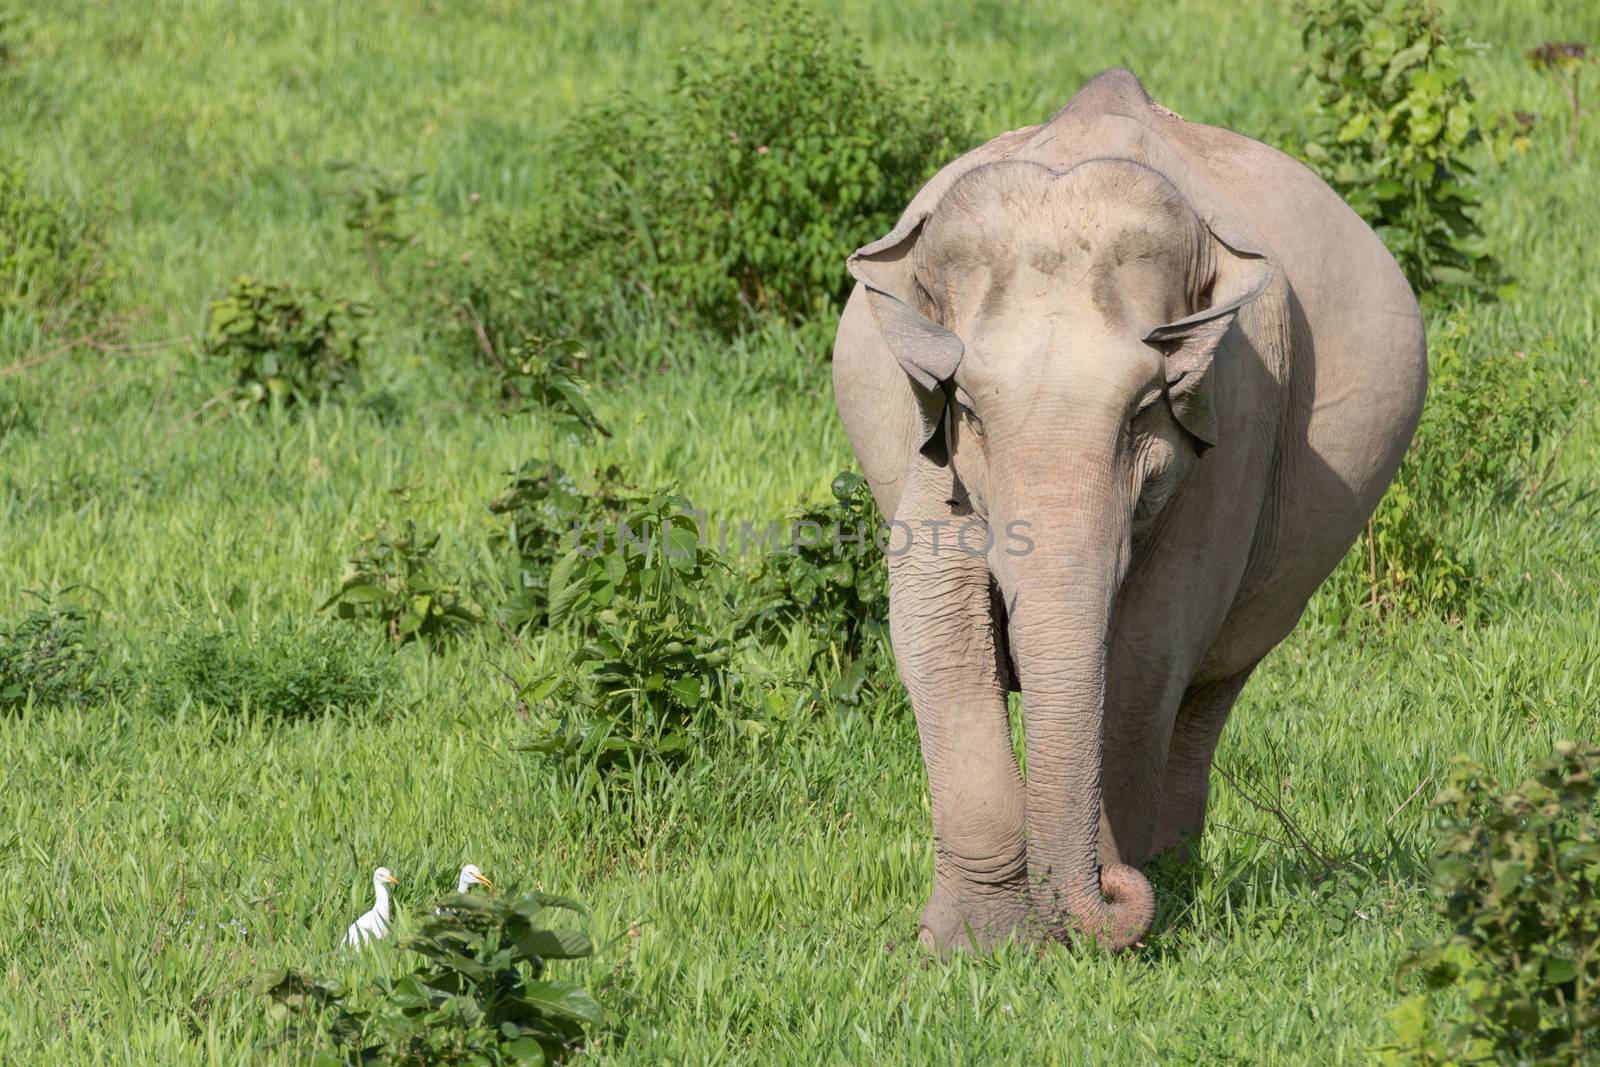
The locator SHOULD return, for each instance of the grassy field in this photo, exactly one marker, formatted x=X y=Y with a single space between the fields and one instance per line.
x=157 y=854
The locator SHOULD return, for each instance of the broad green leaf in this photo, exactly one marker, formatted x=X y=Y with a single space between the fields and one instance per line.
x=560 y=998
x=565 y=589
x=688 y=691
x=359 y=592
x=555 y=945
x=525 y=1051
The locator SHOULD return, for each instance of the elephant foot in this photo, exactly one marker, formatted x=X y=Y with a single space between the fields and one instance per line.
x=974 y=920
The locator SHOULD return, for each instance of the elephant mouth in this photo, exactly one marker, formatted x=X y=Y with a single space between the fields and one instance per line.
x=1004 y=654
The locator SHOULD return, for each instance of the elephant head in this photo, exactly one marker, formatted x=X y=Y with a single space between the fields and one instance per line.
x=1060 y=330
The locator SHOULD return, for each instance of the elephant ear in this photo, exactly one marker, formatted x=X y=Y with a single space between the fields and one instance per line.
x=1191 y=343
x=925 y=350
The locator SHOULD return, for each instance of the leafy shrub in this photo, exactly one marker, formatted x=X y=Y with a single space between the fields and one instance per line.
x=544 y=508
x=489 y=309
x=283 y=673
x=499 y=295
x=831 y=574
x=287 y=345
x=11 y=37
x=479 y=996
x=47 y=656
x=53 y=265
x=1565 y=63
x=650 y=667
x=547 y=377
x=1485 y=438
x=1518 y=875
x=393 y=577
x=805 y=154
x=738 y=193
x=1389 y=127
x=540 y=507
x=372 y=202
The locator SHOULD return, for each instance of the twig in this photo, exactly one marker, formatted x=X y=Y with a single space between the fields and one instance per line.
x=482 y=335
x=1249 y=833
x=1555 y=453
x=22 y=365
x=1579 y=112
x=98 y=340
x=1407 y=800
x=1297 y=837
x=142 y=346
x=199 y=410
x=488 y=348
x=1372 y=558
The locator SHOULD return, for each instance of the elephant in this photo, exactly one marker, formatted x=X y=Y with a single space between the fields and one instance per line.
x=1157 y=375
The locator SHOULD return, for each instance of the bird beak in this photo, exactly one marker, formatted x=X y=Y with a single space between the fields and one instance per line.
x=391 y=879
x=483 y=879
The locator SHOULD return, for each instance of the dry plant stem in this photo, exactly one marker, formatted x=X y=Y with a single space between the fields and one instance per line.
x=1407 y=801
x=98 y=339
x=1297 y=837
x=1577 y=113
x=1555 y=453
x=487 y=346
x=1372 y=560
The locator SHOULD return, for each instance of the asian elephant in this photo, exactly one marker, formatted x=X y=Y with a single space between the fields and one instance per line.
x=1128 y=388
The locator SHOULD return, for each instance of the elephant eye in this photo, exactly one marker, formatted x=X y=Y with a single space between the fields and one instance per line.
x=964 y=402
x=1147 y=400
x=926 y=304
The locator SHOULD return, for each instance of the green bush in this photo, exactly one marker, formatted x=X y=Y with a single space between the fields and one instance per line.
x=48 y=658
x=282 y=673
x=737 y=194
x=544 y=508
x=287 y=345
x=805 y=153
x=1390 y=124
x=53 y=266
x=491 y=310
x=1485 y=440
x=831 y=574
x=649 y=674
x=548 y=378
x=394 y=578
x=1518 y=875
x=372 y=201
x=11 y=39
x=1564 y=61
x=495 y=292
x=479 y=996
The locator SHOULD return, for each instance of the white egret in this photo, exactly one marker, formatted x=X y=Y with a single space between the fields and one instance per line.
x=374 y=925
x=471 y=876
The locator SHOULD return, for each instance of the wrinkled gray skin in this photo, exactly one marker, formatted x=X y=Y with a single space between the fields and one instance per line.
x=1177 y=357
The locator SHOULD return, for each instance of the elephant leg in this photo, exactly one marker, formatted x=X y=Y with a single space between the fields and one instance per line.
x=1142 y=699
x=943 y=631
x=1195 y=734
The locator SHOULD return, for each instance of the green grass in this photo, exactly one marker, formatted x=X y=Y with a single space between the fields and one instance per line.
x=156 y=855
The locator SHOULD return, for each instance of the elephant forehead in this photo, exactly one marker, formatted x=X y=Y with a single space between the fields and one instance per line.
x=1128 y=268
x=1063 y=350
x=1121 y=283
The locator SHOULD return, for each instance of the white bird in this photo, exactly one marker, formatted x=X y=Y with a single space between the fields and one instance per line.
x=471 y=876
x=374 y=925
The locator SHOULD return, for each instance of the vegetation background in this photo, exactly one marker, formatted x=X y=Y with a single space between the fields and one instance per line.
x=200 y=792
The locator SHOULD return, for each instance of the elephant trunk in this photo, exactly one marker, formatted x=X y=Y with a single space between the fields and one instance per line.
x=1061 y=596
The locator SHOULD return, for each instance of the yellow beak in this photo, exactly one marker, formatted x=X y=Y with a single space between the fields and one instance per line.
x=483 y=879
x=391 y=879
